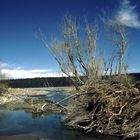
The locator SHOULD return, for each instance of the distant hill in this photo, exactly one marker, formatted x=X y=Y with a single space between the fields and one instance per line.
x=49 y=81
x=39 y=82
x=136 y=76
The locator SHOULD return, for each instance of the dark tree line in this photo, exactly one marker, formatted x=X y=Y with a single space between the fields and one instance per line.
x=39 y=82
x=49 y=82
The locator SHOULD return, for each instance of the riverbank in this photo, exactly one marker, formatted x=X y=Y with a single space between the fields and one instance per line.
x=17 y=94
x=20 y=111
x=17 y=122
x=103 y=109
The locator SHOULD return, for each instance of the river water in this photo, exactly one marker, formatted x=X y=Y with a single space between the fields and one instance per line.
x=21 y=125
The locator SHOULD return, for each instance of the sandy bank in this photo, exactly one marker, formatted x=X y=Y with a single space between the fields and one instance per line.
x=17 y=94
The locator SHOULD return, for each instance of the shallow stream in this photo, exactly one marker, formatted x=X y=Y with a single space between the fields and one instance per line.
x=21 y=125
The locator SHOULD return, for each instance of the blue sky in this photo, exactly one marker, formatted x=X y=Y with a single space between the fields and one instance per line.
x=22 y=55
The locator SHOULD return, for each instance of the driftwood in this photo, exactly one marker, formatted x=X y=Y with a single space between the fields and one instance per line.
x=38 y=110
x=111 y=109
x=47 y=106
x=107 y=108
x=64 y=109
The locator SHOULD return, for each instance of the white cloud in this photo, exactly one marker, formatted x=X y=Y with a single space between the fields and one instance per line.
x=16 y=72
x=127 y=15
x=3 y=65
x=22 y=73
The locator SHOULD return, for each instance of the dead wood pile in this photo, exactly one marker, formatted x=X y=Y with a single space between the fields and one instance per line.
x=109 y=108
x=46 y=106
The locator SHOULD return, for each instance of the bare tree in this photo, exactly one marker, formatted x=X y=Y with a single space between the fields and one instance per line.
x=119 y=40
x=108 y=65
x=75 y=55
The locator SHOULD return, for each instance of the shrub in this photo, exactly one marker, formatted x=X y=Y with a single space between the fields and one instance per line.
x=3 y=87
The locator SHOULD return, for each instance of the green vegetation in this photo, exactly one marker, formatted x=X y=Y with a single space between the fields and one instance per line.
x=3 y=87
x=3 y=84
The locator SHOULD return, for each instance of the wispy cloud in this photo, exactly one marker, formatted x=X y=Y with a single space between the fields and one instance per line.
x=3 y=65
x=127 y=15
x=16 y=72
x=133 y=70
